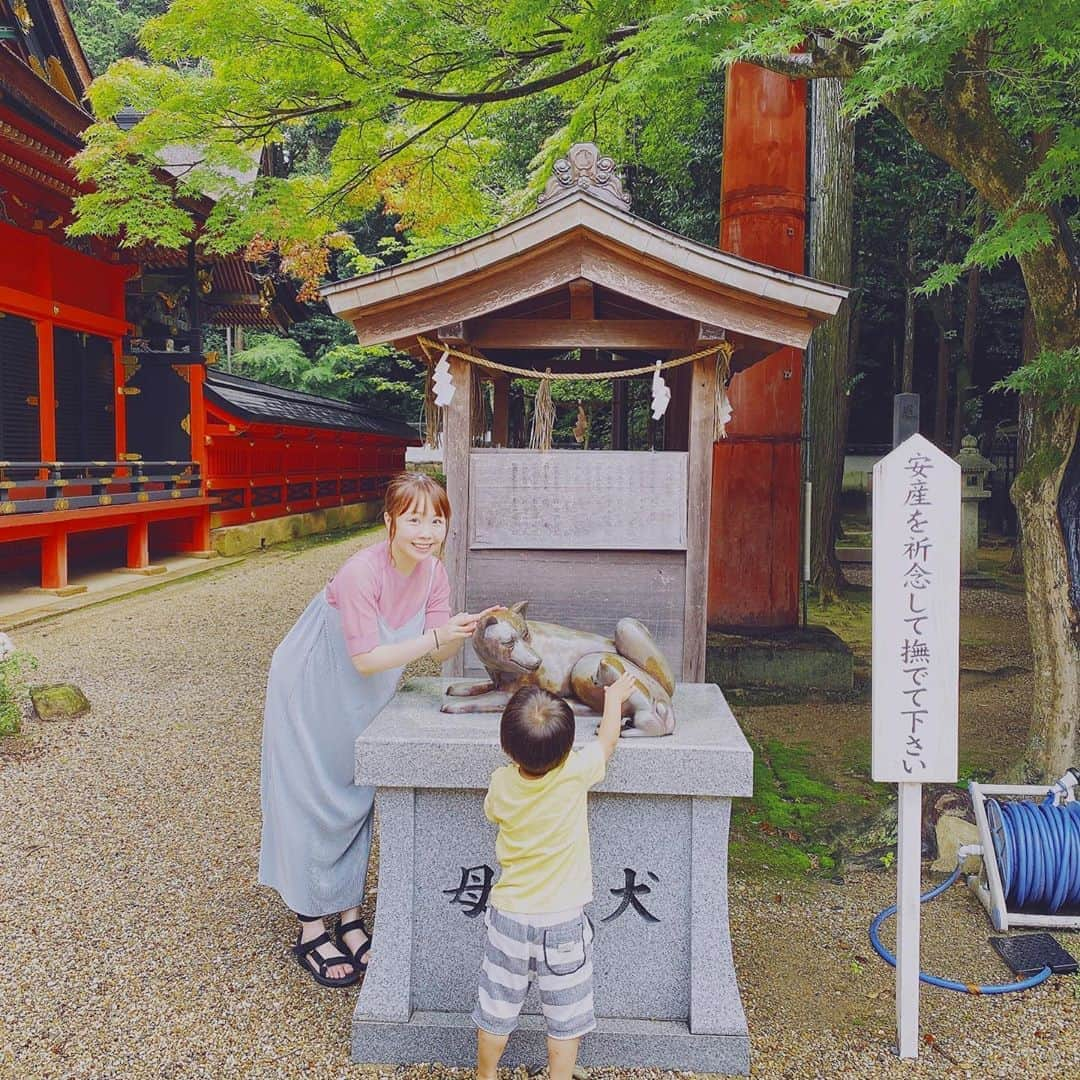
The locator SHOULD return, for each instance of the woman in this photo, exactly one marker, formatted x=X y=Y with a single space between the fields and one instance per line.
x=331 y=676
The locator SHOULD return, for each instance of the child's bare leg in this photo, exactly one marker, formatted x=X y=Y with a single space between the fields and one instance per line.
x=562 y=1057
x=489 y=1049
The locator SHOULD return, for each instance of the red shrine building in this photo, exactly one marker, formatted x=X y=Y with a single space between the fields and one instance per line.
x=117 y=440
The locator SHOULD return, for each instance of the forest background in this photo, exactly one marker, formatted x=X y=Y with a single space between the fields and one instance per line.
x=399 y=127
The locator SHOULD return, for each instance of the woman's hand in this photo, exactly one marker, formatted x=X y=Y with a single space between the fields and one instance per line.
x=460 y=627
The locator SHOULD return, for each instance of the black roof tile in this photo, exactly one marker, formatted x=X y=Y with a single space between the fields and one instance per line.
x=253 y=400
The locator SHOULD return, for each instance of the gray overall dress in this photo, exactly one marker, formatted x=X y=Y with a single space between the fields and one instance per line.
x=316 y=823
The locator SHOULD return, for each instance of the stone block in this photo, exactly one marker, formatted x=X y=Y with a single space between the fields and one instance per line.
x=801 y=658
x=666 y=994
x=952 y=834
x=59 y=701
x=251 y=536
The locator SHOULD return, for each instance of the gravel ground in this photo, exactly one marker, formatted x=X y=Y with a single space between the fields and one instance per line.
x=135 y=943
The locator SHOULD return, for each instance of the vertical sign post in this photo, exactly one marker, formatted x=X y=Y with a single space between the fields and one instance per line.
x=916 y=644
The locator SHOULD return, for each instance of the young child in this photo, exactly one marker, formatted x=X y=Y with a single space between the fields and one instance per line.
x=535 y=919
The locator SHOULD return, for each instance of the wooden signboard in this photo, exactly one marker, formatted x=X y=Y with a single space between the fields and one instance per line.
x=916 y=670
x=916 y=615
x=573 y=500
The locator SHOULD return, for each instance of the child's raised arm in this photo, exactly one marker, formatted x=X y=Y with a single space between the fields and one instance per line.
x=611 y=723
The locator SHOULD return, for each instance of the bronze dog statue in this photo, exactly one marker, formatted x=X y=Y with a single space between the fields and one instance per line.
x=574 y=664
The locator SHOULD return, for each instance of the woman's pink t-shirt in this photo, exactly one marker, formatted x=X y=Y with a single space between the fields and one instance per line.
x=368 y=587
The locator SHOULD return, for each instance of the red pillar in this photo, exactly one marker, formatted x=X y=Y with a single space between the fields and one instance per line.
x=54 y=560
x=200 y=532
x=754 y=546
x=138 y=544
x=46 y=393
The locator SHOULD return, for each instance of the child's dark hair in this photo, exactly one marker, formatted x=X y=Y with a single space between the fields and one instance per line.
x=537 y=729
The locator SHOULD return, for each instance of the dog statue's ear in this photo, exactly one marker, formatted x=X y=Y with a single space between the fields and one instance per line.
x=520 y=607
x=486 y=621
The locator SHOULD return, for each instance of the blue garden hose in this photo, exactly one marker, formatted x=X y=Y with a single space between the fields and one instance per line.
x=1037 y=846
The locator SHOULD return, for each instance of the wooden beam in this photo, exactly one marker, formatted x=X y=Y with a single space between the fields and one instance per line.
x=500 y=422
x=498 y=333
x=620 y=394
x=453 y=334
x=582 y=300
x=699 y=514
x=677 y=416
x=457 y=447
x=31 y=306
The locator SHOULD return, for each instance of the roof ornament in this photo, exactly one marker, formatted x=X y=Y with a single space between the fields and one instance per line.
x=585 y=169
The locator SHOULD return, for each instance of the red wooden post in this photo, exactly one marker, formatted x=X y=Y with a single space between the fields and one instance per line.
x=47 y=396
x=54 y=559
x=138 y=543
x=754 y=554
x=200 y=532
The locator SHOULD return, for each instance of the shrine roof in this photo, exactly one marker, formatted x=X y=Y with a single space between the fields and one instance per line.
x=583 y=235
x=42 y=64
x=260 y=402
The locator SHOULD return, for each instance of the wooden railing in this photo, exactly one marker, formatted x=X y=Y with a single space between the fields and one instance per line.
x=28 y=487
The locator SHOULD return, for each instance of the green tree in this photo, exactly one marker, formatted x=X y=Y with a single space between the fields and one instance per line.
x=109 y=29
x=379 y=378
x=412 y=89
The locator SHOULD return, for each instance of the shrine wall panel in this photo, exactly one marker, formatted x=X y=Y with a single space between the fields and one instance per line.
x=572 y=499
x=588 y=590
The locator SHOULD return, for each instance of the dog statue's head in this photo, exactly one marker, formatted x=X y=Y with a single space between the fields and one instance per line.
x=501 y=641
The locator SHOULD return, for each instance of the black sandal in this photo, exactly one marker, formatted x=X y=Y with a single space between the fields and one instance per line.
x=304 y=951
x=358 y=956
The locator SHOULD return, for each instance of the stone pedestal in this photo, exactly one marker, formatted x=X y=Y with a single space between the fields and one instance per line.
x=666 y=993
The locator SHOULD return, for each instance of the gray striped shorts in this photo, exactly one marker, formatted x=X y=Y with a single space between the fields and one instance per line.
x=558 y=954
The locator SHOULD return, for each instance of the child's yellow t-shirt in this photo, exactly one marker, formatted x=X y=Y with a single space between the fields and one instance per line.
x=543 y=841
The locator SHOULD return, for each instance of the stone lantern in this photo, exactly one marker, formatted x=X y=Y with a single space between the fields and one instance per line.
x=973 y=470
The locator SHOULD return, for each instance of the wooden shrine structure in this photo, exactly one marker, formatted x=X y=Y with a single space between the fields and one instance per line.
x=586 y=536
x=116 y=439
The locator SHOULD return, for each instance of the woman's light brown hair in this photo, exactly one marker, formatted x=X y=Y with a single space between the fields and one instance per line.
x=412 y=490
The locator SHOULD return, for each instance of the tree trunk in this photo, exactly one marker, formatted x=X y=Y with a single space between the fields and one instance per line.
x=907 y=370
x=941 y=392
x=1047 y=497
x=965 y=370
x=943 y=309
x=832 y=180
x=1029 y=349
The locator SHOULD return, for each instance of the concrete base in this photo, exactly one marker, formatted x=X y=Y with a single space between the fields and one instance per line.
x=450 y=1038
x=240 y=539
x=666 y=994
x=811 y=658
x=64 y=590
x=145 y=571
